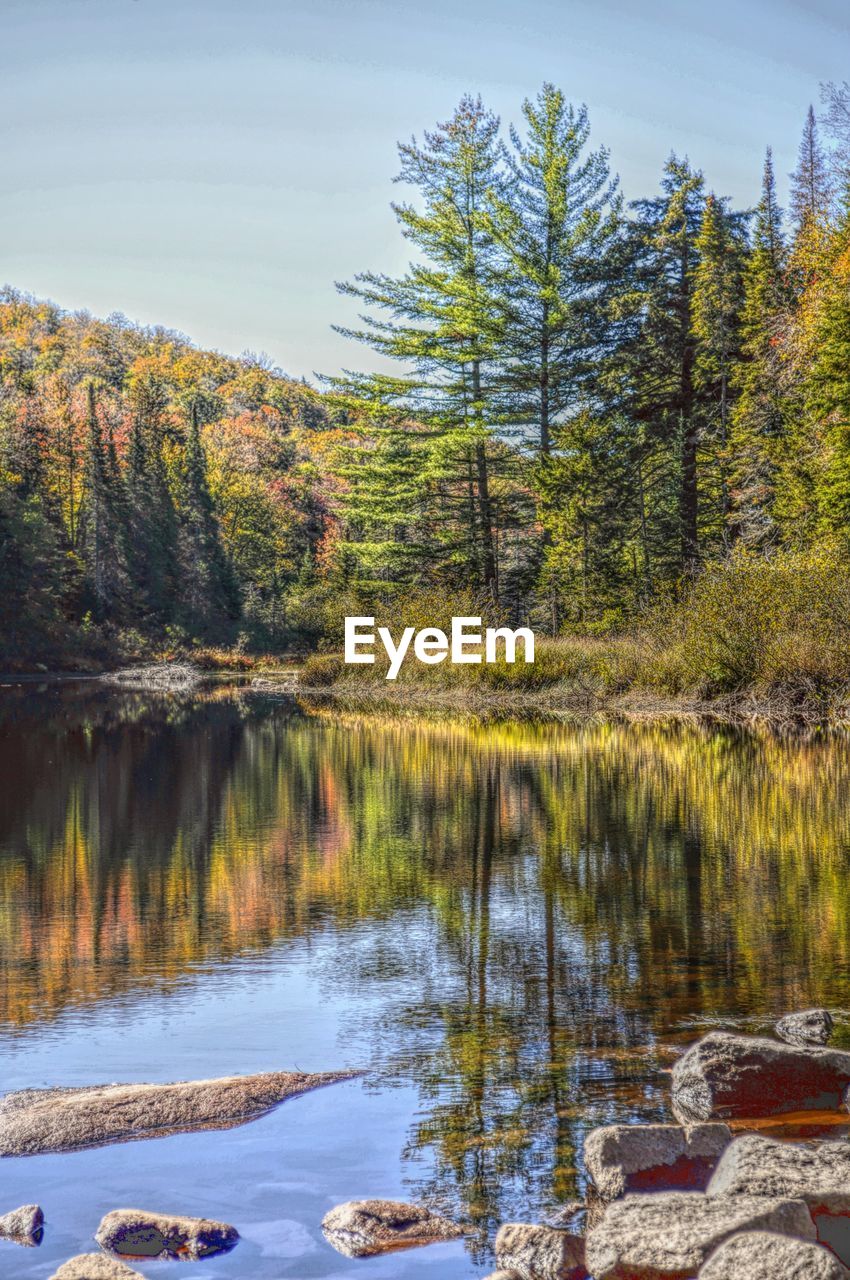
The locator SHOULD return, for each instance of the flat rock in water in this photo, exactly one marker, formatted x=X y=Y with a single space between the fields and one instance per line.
x=669 y=1235
x=761 y=1255
x=95 y=1266
x=138 y=1234
x=362 y=1228
x=157 y=675
x=24 y=1225
x=725 y=1076
x=540 y=1253
x=810 y=1026
x=33 y=1121
x=623 y=1158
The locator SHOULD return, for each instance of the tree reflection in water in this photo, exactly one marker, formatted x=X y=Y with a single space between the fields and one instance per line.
x=528 y=917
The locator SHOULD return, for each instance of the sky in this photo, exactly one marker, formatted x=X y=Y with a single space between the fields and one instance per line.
x=215 y=165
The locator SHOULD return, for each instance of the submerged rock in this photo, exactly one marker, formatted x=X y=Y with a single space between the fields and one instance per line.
x=24 y=1225
x=33 y=1121
x=761 y=1255
x=811 y=1026
x=361 y=1228
x=138 y=1234
x=157 y=675
x=727 y=1076
x=669 y=1235
x=540 y=1253
x=95 y=1266
x=653 y=1157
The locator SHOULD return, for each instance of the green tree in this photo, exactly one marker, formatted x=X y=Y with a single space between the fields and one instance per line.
x=760 y=408
x=556 y=222
x=439 y=319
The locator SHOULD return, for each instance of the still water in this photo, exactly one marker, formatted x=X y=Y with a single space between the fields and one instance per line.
x=511 y=927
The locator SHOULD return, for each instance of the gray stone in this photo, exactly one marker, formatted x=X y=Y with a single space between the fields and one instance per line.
x=810 y=1026
x=757 y=1166
x=669 y=1235
x=818 y=1173
x=761 y=1255
x=139 y=1234
x=653 y=1157
x=361 y=1228
x=540 y=1253
x=33 y=1121
x=25 y=1225
x=95 y=1266
x=727 y=1076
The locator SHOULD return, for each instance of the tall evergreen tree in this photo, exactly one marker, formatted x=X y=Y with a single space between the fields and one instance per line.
x=717 y=299
x=440 y=315
x=657 y=364
x=759 y=413
x=102 y=540
x=556 y=223
x=151 y=517
x=212 y=598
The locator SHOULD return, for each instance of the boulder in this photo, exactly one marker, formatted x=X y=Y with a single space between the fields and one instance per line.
x=819 y=1174
x=95 y=1266
x=540 y=1253
x=138 y=1234
x=811 y=1026
x=25 y=1225
x=361 y=1228
x=757 y=1166
x=33 y=1121
x=653 y=1157
x=761 y=1255
x=669 y=1235
x=727 y=1076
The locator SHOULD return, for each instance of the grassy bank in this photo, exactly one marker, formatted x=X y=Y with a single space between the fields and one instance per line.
x=749 y=639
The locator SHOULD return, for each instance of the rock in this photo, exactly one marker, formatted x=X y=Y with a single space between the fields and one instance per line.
x=95 y=1266
x=669 y=1235
x=157 y=675
x=653 y=1157
x=818 y=1174
x=757 y=1166
x=138 y=1234
x=761 y=1255
x=812 y=1026
x=540 y=1253
x=25 y=1225
x=361 y=1228
x=727 y=1076
x=33 y=1121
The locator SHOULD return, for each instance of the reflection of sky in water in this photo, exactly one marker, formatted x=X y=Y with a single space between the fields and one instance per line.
x=274 y=1178
x=511 y=926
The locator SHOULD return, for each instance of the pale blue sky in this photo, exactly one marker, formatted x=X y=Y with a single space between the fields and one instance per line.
x=214 y=165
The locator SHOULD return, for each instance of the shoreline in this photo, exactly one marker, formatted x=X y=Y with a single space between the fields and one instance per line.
x=750 y=708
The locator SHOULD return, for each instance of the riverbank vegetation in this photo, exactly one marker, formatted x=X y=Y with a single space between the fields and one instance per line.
x=625 y=424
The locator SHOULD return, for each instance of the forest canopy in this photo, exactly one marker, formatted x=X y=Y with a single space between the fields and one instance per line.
x=586 y=403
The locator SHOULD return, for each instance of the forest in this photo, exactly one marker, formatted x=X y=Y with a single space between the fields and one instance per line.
x=591 y=413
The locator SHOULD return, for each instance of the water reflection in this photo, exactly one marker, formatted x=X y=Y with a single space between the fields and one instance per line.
x=526 y=918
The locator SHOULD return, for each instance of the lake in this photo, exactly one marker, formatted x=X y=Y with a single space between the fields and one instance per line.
x=512 y=927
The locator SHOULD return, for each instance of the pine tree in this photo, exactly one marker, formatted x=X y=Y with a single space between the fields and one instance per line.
x=441 y=315
x=656 y=367
x=759 y=413
x=212 y=597
x=102 y=541
x=151 y=517
x=810 y=183
x=556 y=223
x=716 y=307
